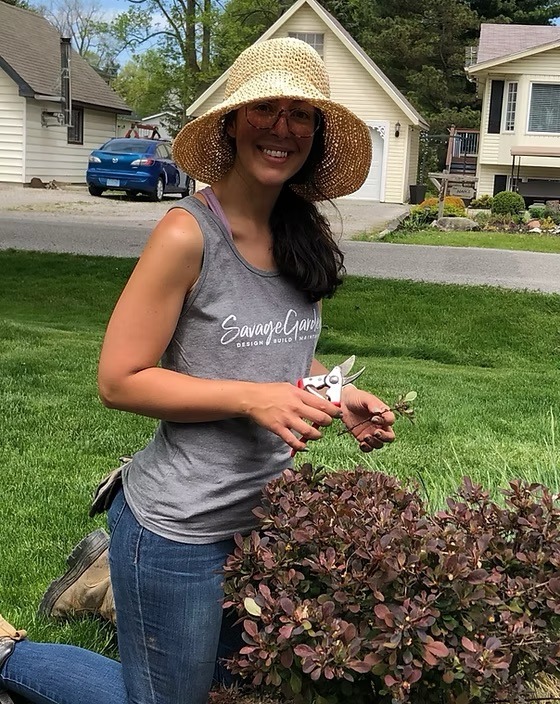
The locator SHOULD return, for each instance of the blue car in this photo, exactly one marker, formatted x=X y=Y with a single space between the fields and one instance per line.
x=136 y=166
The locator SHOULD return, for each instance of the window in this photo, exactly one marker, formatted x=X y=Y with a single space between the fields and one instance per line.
x=76 y=129
x=163 y=152
x=312 y=38
x=511 y=104
x=544 y=111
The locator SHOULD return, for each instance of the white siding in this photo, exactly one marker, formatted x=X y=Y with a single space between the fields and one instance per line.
x=486 y=175
x=353 y=86
x=485 y=184
x=546 y=63
x=49 y=156
x=495 y=149
x=12 y=141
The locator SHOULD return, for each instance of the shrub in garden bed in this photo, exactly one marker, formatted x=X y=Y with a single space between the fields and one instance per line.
x=507 y=203
x=354 y=591
x=424 y=214
x=483 y=203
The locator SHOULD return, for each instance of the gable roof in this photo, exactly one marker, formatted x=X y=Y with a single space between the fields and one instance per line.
x=30 y=55
x=502 y=43
x=350 y=43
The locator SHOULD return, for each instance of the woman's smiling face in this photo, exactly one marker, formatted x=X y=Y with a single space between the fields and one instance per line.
x=272 y=155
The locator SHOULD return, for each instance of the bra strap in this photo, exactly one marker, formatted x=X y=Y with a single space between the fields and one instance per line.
x=215 y=207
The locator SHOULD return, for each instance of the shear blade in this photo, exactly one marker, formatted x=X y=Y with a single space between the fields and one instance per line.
x=346 y=367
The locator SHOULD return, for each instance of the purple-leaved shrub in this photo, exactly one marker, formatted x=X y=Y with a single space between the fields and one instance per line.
x=353 y=592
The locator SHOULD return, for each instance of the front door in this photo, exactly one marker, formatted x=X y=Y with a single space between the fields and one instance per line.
x=371 y=188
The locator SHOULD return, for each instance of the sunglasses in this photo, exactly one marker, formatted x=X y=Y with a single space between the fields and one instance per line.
x=302 y=121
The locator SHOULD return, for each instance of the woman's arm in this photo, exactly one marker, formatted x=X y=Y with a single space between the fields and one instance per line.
x=143 y=323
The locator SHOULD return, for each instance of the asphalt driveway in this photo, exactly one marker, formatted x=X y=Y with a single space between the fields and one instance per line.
x=75 y=222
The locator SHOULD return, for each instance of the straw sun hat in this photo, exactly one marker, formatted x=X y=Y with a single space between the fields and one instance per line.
x=280 y=68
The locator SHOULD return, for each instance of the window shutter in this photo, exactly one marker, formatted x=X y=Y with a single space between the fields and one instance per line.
x=496 y=102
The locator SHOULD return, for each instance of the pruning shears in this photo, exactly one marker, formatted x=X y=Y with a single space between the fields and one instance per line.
x=333 y=381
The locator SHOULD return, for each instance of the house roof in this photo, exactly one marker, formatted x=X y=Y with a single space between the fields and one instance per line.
x=501 y=43
x=30 y=55
x=350 y=43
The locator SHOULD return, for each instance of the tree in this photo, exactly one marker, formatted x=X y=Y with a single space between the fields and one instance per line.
x=183 y=30
x=516 y=11
x=240 y=24
x=147 y=82
x=84 y=21
x=17 y=3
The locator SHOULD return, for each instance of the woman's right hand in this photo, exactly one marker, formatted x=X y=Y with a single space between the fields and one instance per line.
x=284 y=409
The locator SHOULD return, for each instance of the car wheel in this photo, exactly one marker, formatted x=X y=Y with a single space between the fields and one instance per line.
x=132 y=194
x=189 y=190
x=95 y=190
x=157 y=194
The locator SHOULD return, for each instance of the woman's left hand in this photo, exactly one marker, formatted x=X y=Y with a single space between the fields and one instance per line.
x=368 y=418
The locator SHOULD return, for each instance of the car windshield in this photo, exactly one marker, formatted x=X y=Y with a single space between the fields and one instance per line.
x=127 y=146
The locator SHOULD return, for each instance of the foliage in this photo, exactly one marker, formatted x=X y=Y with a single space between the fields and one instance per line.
x=547 y=224
x=484 y=202
x=148 y=81
x=537 y=211
x=240 y=24
x=353 y=591
x=449 y=201
x=84 y=21
x=508 y=203
x=426 y=212
x=540 y=212
x=500 y=223
x=516 y=11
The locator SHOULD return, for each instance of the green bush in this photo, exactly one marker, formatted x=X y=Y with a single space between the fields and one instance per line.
x=484 y=202
x=508 y=203
x=354 y=591
x=537 y=211
x=553 y=214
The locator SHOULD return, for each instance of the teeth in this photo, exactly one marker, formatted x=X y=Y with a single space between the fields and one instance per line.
x=272 y=152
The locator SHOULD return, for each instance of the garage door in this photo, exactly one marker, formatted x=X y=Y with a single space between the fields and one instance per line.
x=371 y=189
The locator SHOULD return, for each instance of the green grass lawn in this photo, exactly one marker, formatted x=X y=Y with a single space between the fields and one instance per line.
x=523 y=241
x=485 y=363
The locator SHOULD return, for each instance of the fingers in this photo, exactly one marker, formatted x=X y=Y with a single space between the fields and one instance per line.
x=383 y=416
x=378 y=432
x=293 y=414
x=375 y=440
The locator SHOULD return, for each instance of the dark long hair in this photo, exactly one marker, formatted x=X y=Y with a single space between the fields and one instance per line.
x=304 y=248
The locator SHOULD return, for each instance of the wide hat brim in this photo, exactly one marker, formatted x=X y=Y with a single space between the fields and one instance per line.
x=202 y=150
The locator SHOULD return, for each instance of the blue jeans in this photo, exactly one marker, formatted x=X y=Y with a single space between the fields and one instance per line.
x=172 y=630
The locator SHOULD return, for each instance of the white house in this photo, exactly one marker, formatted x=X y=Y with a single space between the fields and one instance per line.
x=161 y=121
x=360 y=85
x=54 y=108
x=517 y=70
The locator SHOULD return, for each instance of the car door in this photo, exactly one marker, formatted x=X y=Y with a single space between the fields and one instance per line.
x=163 y=154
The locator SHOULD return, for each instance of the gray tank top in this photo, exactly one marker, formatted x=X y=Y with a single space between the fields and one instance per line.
x=199 y=482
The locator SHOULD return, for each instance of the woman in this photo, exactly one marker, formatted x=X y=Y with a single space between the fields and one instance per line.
x=227 y=295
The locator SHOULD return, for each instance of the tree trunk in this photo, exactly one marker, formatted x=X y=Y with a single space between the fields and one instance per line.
x=206 y=33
